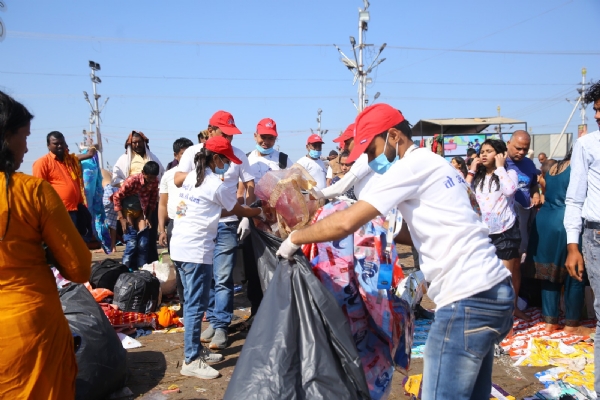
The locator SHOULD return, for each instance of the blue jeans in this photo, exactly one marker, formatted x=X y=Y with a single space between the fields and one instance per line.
x=459 y=353
x=574 y=296
x=220 y=306
x=136 y=247
x=196 y=280
x=591 y=256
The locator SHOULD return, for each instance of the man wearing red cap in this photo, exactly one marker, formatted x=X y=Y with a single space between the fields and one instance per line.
x=262 y=159
x=312 y=161
x=470 y=286
x=220 y=309
x=358 y=176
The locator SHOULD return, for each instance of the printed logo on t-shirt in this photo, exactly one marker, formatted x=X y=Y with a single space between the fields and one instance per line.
x=181 y=209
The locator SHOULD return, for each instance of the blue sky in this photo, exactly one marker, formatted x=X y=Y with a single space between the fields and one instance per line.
x=167 y=67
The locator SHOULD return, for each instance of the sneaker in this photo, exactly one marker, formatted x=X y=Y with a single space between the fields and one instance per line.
x=219 y=340
x=199 y=369
x=207 y=335
x=209 y=356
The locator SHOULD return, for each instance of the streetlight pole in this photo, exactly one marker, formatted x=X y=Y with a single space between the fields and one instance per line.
x=357 y=66
x=96 y=110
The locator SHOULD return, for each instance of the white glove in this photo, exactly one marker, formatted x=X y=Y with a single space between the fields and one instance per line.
x=287 y=248
x=244 y=229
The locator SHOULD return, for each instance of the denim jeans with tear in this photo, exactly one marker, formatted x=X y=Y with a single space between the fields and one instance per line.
x=136 y=247
x=220 y=306
x=591 y=256
x=196 y=285
x=459 y=353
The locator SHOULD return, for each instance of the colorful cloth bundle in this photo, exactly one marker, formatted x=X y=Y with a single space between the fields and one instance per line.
x=380 y=322
x=119 y=319
x=93 y=193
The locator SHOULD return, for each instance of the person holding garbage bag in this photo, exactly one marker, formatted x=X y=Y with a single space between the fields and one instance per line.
x=201 y=198
x=469 y=284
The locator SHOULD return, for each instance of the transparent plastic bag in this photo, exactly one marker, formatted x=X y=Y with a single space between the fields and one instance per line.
x=284 y=191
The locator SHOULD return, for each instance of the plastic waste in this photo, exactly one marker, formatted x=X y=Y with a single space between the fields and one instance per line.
x=101 y=358
x=282 y=190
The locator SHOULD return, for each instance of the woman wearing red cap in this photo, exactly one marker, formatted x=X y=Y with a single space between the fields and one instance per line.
x=469 y=284
x=202 y=197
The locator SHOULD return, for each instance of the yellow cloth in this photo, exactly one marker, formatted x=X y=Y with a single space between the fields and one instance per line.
x=38 y=361
x=137 y=164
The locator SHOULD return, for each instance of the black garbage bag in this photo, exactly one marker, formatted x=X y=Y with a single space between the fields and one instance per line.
x=101 y=358
x=265 y=246
x=300 y=345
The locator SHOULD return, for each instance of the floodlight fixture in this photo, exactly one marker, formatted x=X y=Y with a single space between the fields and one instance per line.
x=382 y=47
x=366 y=3
x=319 y=111
x=376 y=96
x=95 y=66
x=352 y=41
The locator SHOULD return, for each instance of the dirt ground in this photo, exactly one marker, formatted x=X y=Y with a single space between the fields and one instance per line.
x=154 y=367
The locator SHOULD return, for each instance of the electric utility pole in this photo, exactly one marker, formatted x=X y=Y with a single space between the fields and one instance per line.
x=582 y=129
x=319 y=131
x=579 y=103
x=95 y=116
x=357 y=66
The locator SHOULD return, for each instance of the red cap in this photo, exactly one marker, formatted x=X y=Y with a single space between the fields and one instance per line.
x=314 y=139
x=266 y=126
x=372 y=121
x=348 y=134
x=224 y=121
x=220 y=145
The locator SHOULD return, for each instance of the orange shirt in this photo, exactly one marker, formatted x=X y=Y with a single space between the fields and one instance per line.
x=66 y=182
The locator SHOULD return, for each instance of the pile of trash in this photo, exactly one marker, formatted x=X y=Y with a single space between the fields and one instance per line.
x=335 y=322
x=103 y=312
x=286 y=200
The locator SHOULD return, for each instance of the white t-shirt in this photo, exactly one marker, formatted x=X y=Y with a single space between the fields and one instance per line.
x=167 y=185
x=197 y=218
x=329 y=174
x=260 y=165
x=363 y=174
x=235 y=173
x=316 y=168
x=456 y=254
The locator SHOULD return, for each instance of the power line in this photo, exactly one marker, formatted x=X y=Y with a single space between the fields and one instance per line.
x=282 y=79
x=52 y=36
x=184 y=97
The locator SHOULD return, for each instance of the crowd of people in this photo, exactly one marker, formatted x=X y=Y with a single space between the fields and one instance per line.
x=474 y=223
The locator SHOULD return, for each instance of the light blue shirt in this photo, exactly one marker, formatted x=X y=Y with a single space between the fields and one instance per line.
x=583 y=195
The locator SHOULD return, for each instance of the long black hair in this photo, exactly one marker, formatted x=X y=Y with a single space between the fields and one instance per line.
x=561 y=163
x=500 y=148
x=461 y=164
x=13 y=116
x=202 y=160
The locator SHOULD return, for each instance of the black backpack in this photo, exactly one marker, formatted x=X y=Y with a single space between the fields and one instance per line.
x=283 y=159
x=137 y=291
x=105 y=273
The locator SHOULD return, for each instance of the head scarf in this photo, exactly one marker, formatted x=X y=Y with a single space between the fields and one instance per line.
x=130 y=138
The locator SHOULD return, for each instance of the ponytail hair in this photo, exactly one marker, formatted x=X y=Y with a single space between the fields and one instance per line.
x=201 y=160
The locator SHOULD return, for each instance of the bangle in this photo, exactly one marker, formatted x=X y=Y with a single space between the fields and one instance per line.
x=472 y=173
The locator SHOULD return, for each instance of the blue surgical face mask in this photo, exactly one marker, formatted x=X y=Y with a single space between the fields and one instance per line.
x=222 y=171
x=314 y=154
x=263 y=151
x=381 y=163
